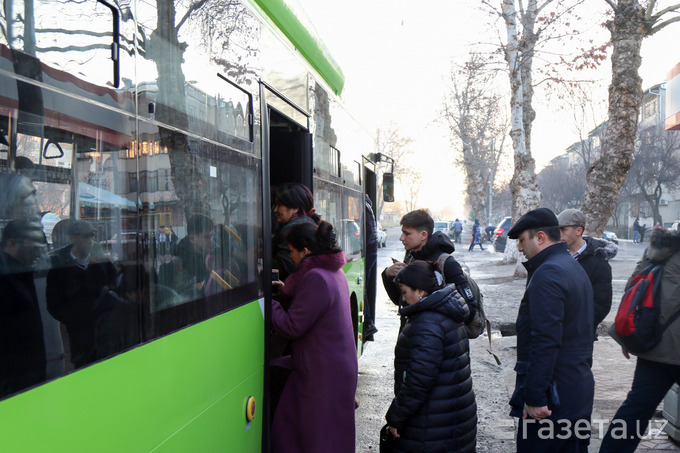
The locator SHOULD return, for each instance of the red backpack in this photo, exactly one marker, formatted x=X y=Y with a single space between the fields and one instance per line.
x=637 y=320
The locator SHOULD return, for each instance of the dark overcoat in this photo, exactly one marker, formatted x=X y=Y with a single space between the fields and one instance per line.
x=555 y=337
x=434 y=408
x=22 y=347
x=316 y=410
x=595 y=261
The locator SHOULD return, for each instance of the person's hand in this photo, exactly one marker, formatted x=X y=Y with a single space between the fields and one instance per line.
x=625 y=353
x=394 y=269
x=277 y=286
x=537 y=413
x=394 y=432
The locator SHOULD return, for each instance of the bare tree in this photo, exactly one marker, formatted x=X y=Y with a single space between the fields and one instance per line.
x=562 y=184
x=632 y=22
x=412 y=180
x=389 y=141
x=478 y=134
x=656 y=166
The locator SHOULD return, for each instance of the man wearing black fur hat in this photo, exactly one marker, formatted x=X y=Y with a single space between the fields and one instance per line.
x=422 y=244
x=554 y=385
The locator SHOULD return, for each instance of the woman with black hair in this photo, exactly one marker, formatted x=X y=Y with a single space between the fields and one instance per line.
x=316 y=410
x=293 y=205
x=434 y=407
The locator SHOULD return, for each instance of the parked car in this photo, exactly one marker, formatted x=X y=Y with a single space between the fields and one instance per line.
x=443 y=226
x=382 y=236
x=500 y=234
x=610 y=236
x=351 y=237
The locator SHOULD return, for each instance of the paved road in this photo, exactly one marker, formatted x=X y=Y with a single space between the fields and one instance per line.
x=502 y=293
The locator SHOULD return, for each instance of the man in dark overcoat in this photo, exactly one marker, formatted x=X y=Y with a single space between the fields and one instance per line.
x=593 y=255
x=554 y=384
x=22 y=347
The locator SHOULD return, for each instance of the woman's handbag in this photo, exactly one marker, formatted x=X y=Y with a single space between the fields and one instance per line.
x=386 y=440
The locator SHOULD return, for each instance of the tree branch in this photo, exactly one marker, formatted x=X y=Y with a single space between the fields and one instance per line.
x=663 y=25
x=612 y=4
x=658 y=15
x=193 y=7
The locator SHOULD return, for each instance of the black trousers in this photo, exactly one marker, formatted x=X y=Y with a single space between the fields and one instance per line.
x=651 y=382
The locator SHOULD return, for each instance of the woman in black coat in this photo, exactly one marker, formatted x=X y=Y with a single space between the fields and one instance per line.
x=434 y=407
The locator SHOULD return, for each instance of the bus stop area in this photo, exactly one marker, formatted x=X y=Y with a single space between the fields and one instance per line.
x=493 y=383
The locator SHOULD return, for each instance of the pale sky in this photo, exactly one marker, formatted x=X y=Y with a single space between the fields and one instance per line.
x=396 y=56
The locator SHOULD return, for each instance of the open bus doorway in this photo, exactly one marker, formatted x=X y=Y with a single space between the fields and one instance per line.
x=290 y=161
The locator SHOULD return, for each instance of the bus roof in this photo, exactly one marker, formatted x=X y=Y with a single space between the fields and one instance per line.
x=310 y=46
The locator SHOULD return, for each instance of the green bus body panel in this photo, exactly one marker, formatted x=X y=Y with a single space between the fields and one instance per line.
x=305 y=41
x=186 y=389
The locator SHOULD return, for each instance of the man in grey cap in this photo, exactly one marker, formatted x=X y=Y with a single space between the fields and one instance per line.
x=594 y=255
x=554 y=384
x=75 y=281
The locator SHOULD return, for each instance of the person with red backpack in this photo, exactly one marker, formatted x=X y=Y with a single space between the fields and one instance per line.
x=658 y=368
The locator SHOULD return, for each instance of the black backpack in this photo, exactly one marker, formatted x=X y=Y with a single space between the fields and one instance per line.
x=637 y=320
x=478 y=323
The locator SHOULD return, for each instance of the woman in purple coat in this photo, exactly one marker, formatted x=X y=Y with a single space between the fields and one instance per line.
x=316 y=410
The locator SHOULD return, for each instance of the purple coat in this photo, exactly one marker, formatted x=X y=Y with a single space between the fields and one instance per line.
x=316 y=410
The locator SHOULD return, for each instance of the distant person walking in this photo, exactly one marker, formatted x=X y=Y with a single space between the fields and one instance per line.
x=489 y=232
x=643 y=231
x=476 y=236
x=636 y=231
x=457 y=231
x=434 y=406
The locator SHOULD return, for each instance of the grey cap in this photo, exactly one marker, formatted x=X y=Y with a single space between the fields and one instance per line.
x=571 y=217
x=80 y=228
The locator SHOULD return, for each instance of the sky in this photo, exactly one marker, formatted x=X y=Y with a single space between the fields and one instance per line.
x=396 y=56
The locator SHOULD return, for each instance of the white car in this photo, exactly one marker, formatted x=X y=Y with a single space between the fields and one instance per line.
x=382 y=236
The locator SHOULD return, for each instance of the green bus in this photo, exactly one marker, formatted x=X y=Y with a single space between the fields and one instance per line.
x=132 y=125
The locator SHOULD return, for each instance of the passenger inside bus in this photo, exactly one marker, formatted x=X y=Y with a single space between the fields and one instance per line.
x=119 y=326
x=22 y=348
x=293 y=205
x=188 y=272
x=75 y=281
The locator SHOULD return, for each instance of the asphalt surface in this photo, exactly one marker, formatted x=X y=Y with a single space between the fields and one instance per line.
x=492 y=382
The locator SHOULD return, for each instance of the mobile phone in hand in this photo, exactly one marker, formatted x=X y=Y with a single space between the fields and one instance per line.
x=394 y=260
x=275 y=275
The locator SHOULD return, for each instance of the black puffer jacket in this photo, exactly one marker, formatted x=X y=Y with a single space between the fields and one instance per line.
x=595 y=261
x=434 y=408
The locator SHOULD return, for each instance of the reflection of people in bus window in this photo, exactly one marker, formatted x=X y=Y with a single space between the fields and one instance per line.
x=119 y=327
x=25 y=166
x=293 y=205
x=75 y=281
x=193 y=250
x=22 y=348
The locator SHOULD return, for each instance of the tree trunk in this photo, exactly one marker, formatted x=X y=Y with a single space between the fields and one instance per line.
x=608 y=173
x=525 y=190
x=168 y=54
